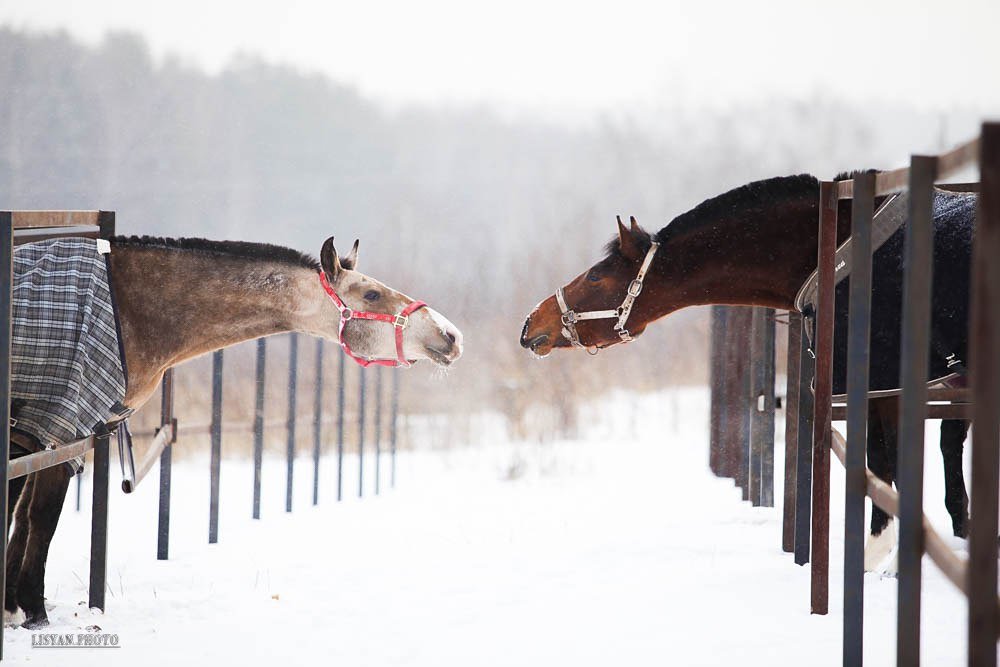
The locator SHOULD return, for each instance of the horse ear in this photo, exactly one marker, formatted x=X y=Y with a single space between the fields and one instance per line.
x=628 y=240
x=350 y=260
x=635 y=225
x=329 y=261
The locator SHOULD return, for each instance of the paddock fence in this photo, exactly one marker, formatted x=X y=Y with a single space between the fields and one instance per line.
x=17 y=227
x=743 y=400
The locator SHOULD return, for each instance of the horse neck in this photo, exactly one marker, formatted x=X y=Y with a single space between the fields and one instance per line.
x=175 y=305
x=753 y=257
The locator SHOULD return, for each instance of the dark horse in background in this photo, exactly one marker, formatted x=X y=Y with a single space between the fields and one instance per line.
x=755 y=246
x=181 y=298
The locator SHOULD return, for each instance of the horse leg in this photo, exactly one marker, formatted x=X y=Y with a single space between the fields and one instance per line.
x=15 y=547
x=46 y=505
x=882 y=463
x=956 y=499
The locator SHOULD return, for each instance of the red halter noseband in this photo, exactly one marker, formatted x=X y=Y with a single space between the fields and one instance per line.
x=398 y=321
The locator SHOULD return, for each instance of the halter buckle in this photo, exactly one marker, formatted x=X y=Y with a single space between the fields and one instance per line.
x=635 y=288
x=400 y=321
x=569 y=318
x=347 y=314
x=625 y=336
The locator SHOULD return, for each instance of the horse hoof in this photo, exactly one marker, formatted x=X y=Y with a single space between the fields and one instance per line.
x=35 y=622
x=878 y=547
x=13 y=619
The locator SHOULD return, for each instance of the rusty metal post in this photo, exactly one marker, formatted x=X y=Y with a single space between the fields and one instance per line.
x=820 y=574
x=859 y=333
x=984 y=366
x=793 y=365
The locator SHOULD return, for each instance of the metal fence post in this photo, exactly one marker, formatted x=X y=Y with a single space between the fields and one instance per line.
x=804 y=445
x=717 y=382
x=762 y=407
x=378 y=429
x=341 y=369
x=820 y=573
x=166 y=418
x=293 y=375
x=793 y=365
x=6 y=298
x=258 y=423
x=362 y=380
x=317 y=419
x=216 y=460
x=393 y=428
x=99 y=523
x=914 y=362
x=984 y=620
x=859 y=328
x=79 y=490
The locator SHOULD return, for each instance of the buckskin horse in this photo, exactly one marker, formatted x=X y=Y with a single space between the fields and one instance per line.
x=180 y=298
x=756 y=246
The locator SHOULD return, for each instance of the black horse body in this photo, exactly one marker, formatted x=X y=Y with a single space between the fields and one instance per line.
x=954 y=216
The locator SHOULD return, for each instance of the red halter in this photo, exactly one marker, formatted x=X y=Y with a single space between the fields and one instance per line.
x=398 y=321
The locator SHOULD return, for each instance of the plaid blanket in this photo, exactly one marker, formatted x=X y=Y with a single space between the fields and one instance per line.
x=67 y=371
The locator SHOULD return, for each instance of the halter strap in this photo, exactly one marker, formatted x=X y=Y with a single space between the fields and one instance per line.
x=570 y=317
x=398 y=321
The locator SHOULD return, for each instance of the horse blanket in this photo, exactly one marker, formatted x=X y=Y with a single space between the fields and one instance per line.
x=67 y=365
x=954 y=226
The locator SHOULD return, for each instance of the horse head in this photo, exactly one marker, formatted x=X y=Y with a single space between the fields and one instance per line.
x=376 y=324
x=600 y=307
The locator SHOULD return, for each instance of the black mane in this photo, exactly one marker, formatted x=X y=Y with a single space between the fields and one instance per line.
x=236 y=249
x=756 y=195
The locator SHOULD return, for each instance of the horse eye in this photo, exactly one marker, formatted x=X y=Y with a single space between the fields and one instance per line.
x=371 y=295
x=593 y=276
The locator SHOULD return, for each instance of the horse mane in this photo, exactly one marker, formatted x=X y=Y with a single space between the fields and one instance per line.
x=235 y=249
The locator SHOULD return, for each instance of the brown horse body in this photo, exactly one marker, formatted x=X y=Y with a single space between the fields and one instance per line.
x=178 y=299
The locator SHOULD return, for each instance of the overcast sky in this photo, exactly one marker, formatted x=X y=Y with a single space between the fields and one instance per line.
x=568 y=60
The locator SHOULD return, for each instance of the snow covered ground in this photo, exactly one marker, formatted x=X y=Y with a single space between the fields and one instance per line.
x=616 y=548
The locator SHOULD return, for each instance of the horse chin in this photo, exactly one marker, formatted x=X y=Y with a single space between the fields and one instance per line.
x=439 y=358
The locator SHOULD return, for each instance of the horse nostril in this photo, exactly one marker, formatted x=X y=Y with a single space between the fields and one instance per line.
x=450 y=336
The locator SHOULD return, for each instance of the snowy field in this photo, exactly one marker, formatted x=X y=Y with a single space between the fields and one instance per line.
x=618 y=548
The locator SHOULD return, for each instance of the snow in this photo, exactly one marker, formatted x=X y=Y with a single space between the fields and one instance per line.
x=615 y=548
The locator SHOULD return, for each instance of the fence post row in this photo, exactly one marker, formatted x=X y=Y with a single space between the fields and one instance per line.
x=378 y=428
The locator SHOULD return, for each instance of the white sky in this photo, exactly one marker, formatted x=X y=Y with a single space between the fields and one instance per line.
x=574 y=60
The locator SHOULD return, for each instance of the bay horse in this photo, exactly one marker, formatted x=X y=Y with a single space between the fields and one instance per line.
x=755 y=246
x=181 y=298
